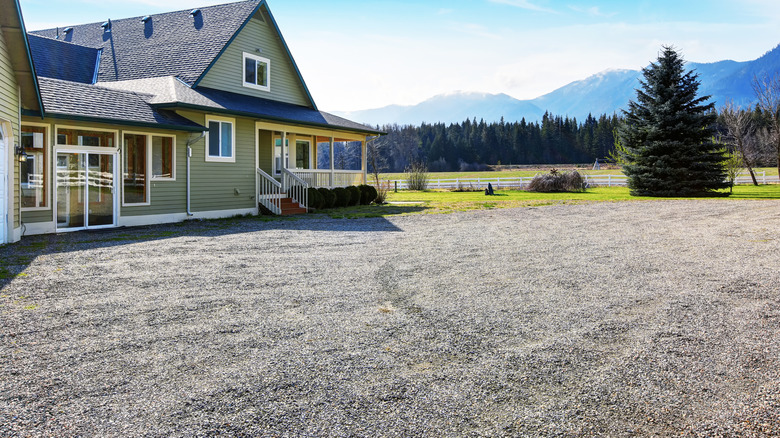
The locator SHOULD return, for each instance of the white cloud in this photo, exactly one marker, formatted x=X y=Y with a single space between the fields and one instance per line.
x=524 y=4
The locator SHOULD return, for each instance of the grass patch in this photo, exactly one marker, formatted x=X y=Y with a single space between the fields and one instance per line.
x=446 y=201
x=770 y=171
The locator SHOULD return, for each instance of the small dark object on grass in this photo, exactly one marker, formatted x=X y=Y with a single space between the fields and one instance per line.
x=489 y=190
x=556 y=181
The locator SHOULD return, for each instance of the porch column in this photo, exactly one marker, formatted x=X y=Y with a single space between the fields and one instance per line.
x=285 y=151
x=363 y=165
x=332 y=163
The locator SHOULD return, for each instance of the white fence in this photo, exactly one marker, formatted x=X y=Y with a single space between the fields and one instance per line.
x=520 y=182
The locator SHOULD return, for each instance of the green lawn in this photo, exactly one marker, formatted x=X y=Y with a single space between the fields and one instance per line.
x=529 y=172
x=411 y=202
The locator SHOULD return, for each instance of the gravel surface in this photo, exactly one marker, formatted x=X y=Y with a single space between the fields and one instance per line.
x=612 y=319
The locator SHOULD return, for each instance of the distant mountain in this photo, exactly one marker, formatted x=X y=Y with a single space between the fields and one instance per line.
x=605 y=92
x=451 y=107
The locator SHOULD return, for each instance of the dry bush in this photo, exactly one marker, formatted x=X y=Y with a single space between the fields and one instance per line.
x=417 y=177
x=557 y=182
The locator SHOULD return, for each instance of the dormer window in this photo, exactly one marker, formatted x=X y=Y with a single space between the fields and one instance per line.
x=257 y=72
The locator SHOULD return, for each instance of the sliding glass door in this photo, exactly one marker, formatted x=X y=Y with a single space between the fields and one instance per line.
x=85 y=190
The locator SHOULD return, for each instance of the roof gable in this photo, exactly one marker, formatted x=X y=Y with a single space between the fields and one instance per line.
x=176 y=43
x=259 y=37
x=61 y=60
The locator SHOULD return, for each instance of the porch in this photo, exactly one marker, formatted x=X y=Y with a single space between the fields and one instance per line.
x=292 y=159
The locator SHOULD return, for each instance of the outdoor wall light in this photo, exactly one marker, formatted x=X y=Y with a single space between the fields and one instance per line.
x=21 y=154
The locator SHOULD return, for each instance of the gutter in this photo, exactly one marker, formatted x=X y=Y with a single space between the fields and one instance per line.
x=190 y=142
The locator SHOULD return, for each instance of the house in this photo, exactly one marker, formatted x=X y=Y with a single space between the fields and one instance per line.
x=199 y=113
x=18 y=90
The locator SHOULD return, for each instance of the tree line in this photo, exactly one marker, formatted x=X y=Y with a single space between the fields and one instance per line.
x=472 y=144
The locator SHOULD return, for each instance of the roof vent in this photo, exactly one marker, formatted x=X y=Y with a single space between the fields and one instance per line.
x=67 y=30
x=195 y=12
x=106 y=26
x=145 y=19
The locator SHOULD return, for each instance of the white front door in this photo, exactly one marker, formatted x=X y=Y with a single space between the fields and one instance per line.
x=3 y=188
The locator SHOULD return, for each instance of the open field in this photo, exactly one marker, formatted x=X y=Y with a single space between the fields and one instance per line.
x=607 y=319
x=531 y=171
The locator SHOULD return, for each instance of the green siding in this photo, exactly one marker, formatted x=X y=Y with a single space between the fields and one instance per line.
x=213 y=184
x=265 y=150
x=9 y=112
x=227 y=73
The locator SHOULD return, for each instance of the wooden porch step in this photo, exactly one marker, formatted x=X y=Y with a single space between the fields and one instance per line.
x=290 y=207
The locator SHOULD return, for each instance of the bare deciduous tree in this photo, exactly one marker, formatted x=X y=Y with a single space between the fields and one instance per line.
x=767 y=89
x=377 y=162
x=741 y=136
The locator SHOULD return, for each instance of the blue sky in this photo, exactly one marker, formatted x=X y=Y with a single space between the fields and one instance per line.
x=366 y=54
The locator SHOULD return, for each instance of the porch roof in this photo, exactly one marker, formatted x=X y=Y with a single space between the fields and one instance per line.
x=77 y=101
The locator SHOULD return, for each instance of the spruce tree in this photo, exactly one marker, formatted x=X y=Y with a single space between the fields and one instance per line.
x=666 y=139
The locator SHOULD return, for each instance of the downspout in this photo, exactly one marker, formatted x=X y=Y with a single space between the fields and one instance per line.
x=190 y=142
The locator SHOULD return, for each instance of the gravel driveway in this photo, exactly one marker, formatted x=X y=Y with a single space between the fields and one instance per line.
x=617 y=319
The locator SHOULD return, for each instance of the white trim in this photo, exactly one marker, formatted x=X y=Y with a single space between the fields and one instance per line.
x=153 y=219
x=147 y=176
x=32 y=228
x=5 y=199
x=221 y=159
x=49 y=150
x=71 y=147
x=267 y=86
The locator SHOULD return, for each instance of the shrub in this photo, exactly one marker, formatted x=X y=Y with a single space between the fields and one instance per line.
x=381 y=192
x=417 y=177
x=367 y=194
x=342 y=196
x=354 y=195
x=557 y=182
x=316 y=200
x=328 y=197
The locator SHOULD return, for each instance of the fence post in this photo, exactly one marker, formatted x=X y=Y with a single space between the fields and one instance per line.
x=396 y=186
x=763 y=177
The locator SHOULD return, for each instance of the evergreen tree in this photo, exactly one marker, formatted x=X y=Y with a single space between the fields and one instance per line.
x=666 y=138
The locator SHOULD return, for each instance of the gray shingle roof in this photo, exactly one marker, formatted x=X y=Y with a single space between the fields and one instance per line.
x=61 y=60
x=169 y=44
x=169 y=92
x=92 y=102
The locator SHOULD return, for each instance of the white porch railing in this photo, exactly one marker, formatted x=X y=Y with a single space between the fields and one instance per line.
x=296 y=188
x=269 y=192
x=322 y=177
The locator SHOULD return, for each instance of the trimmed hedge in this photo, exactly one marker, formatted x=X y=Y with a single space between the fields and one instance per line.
x=342 y=197
x=354 y=195
x=367 y=194
x=316 y=200
x=328 y=197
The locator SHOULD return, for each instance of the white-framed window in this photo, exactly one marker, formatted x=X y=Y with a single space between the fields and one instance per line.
x=145 y=157
x=257 y=72
x=221 y=139
x=163 y=157
x=135 y=169
x=34 y=175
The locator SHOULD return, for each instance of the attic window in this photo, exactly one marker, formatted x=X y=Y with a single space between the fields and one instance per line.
x=257 y=72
